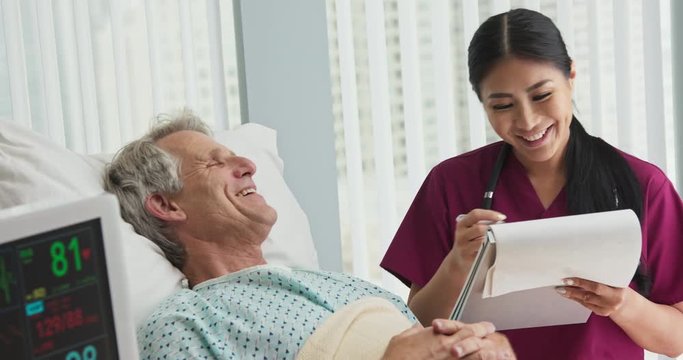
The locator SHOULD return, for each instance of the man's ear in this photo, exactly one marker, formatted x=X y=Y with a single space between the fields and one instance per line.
x=164 y=209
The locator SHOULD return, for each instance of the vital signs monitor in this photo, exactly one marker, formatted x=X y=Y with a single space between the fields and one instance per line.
x=62 y=288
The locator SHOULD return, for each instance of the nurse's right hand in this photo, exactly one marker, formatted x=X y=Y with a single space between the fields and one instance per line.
x=470 y=231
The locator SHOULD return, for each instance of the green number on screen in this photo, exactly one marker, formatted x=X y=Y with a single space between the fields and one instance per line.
x=73 y=246
x=60 y=264
x=5 y=279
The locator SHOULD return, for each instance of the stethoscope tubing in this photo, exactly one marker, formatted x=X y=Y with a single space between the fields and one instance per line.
x=493 y=180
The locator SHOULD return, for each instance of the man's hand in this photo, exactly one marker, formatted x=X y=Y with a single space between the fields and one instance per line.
x=472 y=347
x=448 y=339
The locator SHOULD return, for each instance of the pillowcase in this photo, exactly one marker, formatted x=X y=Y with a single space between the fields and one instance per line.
x=33 y=170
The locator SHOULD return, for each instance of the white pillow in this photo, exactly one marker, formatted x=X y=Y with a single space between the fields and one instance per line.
x=34 y=169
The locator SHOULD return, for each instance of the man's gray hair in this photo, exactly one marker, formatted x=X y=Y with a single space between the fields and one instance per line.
x=141 y=169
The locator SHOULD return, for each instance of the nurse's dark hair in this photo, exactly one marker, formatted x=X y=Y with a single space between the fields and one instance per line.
x=598 y=177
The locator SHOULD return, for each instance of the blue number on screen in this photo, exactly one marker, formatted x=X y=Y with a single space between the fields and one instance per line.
x=89 y=353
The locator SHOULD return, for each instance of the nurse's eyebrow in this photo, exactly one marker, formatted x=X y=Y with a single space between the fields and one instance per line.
x=529 y=89
x=537 y=85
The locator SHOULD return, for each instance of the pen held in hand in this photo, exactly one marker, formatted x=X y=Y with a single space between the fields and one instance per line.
x=460 y=217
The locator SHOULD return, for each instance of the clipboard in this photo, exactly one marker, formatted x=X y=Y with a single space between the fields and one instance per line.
x=538 y=306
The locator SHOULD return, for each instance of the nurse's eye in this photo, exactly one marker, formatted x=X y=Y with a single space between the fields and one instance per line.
x=499 y=107
x=542 y=96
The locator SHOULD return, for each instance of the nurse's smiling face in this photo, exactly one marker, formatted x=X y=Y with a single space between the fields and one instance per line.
x=529 y=105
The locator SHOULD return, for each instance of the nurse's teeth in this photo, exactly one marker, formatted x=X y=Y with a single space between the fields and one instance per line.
x=535 y=136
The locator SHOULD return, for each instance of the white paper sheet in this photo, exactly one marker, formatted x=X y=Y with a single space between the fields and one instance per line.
x=520 y=309
x=602 y=247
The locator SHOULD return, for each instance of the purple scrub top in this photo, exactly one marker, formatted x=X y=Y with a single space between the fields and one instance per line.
x=456 y=186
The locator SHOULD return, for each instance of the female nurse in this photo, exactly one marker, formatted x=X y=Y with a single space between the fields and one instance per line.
x=548 y=166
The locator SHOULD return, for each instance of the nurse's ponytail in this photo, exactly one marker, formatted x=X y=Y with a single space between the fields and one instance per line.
x=600 y=179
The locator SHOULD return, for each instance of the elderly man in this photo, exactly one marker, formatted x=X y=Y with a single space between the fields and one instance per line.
x=196 y=199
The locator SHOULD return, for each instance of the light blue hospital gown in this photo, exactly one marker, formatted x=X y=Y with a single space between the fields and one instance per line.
x=262 y=312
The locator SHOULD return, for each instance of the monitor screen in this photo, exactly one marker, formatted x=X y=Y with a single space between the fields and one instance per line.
x=55 y=300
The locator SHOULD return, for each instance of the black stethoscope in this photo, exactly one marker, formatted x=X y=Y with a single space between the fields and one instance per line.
x=493 y=180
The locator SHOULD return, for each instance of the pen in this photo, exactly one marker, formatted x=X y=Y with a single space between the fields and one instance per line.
x=460 y=217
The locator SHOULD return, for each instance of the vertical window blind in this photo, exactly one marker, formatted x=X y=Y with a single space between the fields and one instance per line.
x=91 y=74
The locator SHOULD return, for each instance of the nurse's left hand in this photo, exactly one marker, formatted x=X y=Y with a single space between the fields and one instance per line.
x=601 y=299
